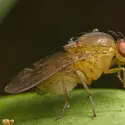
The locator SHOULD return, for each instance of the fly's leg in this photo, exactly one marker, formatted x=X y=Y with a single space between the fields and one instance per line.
x=39 y=91
x=66 y=105
x=119 y=76
x=82 y=78
x=118 y=71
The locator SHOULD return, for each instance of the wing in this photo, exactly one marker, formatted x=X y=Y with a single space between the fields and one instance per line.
x=43 y=69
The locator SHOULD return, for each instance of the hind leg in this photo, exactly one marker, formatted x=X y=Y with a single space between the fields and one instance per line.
x=39 y=91
x=66 y=105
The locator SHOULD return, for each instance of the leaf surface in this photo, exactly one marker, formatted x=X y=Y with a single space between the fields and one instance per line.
x=34 y=109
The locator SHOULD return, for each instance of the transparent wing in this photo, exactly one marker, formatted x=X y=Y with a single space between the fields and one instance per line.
x=43 y=69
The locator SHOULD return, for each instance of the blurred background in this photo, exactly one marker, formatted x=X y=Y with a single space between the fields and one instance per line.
x=32 y=29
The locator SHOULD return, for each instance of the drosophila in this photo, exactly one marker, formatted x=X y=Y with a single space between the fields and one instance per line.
x=83 y=60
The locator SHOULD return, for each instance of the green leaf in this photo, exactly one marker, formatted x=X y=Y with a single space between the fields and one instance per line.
x=34 y=109
x=5 y=7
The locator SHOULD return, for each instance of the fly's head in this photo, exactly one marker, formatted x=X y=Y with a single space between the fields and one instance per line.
x=120 y=47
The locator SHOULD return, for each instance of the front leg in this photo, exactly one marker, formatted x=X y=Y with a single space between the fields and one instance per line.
x=118 y=71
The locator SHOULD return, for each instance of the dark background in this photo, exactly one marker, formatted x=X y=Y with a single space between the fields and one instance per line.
x=34 y=28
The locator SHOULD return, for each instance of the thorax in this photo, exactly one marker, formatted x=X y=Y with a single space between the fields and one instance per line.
x=99 y=60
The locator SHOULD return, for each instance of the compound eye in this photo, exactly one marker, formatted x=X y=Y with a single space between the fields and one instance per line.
x=121 y=48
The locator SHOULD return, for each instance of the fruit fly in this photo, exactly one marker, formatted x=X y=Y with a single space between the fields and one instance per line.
x=84 y=59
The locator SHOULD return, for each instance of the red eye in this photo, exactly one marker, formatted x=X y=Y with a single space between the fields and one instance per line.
x=121 y=47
